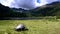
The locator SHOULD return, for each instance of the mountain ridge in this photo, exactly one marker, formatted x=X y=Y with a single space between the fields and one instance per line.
x=51 y=9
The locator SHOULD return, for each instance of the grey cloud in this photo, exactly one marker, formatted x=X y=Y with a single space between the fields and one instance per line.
x=28 y=4
x=25 y=4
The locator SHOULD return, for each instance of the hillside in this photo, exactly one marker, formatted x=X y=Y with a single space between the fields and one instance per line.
x=4 y=11
x=9 y=12
x=52 y=9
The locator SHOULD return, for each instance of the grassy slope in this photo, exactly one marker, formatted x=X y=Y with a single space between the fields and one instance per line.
x=42 y=26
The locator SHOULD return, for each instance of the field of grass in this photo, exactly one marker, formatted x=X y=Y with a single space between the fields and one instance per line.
x=42 y=26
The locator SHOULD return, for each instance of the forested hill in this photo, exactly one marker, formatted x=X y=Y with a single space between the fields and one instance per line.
x=9 y=12
x=4 y=11
x=52 y=9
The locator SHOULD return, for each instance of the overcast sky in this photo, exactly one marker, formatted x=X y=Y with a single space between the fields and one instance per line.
x=26 y=4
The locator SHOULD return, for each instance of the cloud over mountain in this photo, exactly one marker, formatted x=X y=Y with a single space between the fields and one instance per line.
x=26 y=4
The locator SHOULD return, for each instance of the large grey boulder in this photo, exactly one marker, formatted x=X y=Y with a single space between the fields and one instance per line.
x=20 y=27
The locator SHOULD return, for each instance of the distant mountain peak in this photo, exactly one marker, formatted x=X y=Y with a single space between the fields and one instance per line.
x=53 y=3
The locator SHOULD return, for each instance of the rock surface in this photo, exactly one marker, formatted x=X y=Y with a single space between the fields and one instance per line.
x=20 y=27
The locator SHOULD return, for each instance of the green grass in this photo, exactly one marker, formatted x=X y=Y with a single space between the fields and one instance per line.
x=42 y=26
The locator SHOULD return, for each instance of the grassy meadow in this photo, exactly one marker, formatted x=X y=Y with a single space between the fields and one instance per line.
x=42 y=26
